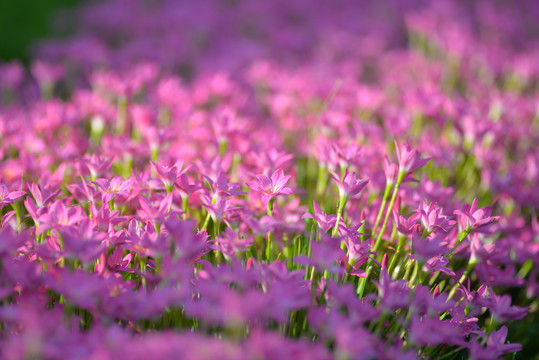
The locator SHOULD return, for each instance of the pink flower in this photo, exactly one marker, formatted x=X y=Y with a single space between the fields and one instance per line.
x=503 y=310
x=84 y=192
x=221 y=209
x=391 y=171
x=170 y=174
x=475 y=299
x=433 y=331
x=473 y=218
x=112 y=188
x=222 y=187
x=47 y=73
x=157 y=211
x=409 y=159
x=438 y=263
x=58 y=215
x=358 y=254
x=351 y=185
x=84 y=241
x=428 y=247
x=432 y=217
x=97 y=165
x=405 y=226
x=495 y=348
x=230 y=242
x=117 y=263
x=10 y=242
x=325 y=221
x=324 y=255
x=104 y=218
x=271 y=187
x=393 y=295
x=8 y=197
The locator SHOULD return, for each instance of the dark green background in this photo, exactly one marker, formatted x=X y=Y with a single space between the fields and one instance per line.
x=23 y=22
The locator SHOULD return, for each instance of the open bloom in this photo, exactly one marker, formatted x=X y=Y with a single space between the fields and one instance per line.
x=351 y=185
x=7 y=197
x=358 y=254
x=432 y=217
x=405 y=225
x=222 y=187
x=325 y=221
x=170 y=174
x=473 y=218
x=496 y=346
x=112 y=188
x=271 y=187
x=502 y=310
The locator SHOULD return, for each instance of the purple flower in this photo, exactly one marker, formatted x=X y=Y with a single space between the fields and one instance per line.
x=57 y=215
x=188 y=244
x=112 y=188
x=475 y=299
x=103 y=218
x=223 y=207
x=428 y=247
x=324 y=255
x=158 y=212
x=433 y=331
x=470 y=217
x=393 y=295
x=438 y=263
x=405 y=226
x=230 y=242
x=97 y=165
x=82 y=242
x=43 y=196
x=432 y=217
x=271 y=187
x=495 y=348
x=10 y=242
x=84 y=192
x=358 y=254
x=222 y=187
x=117 y=263
x=350 y=186
x=391 y=171
x=501 y=308
x=325 y=221
x=409 y=159
x=170 y=174
x=8 y=197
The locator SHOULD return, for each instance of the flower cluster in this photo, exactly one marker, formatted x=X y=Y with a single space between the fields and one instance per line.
x=273 y=180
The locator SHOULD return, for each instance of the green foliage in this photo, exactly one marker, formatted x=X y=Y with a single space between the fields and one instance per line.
x=23 y=22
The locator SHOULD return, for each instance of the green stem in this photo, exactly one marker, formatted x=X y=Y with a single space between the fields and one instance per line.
x=121 y=122
x=342 y=203
x=388 y=211
x=397 y=254
x=270 y=206
x=206 y=222
x=185 y=205
x=378 y=242
x=387 y=192
x=417 y=269
x=321 y=181
x=471 y=264
x=460 y=238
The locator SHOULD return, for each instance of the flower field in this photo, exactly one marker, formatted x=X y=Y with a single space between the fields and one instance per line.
x=232 y=179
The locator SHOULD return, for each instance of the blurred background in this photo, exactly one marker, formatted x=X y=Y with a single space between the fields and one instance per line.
x=23 y=22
